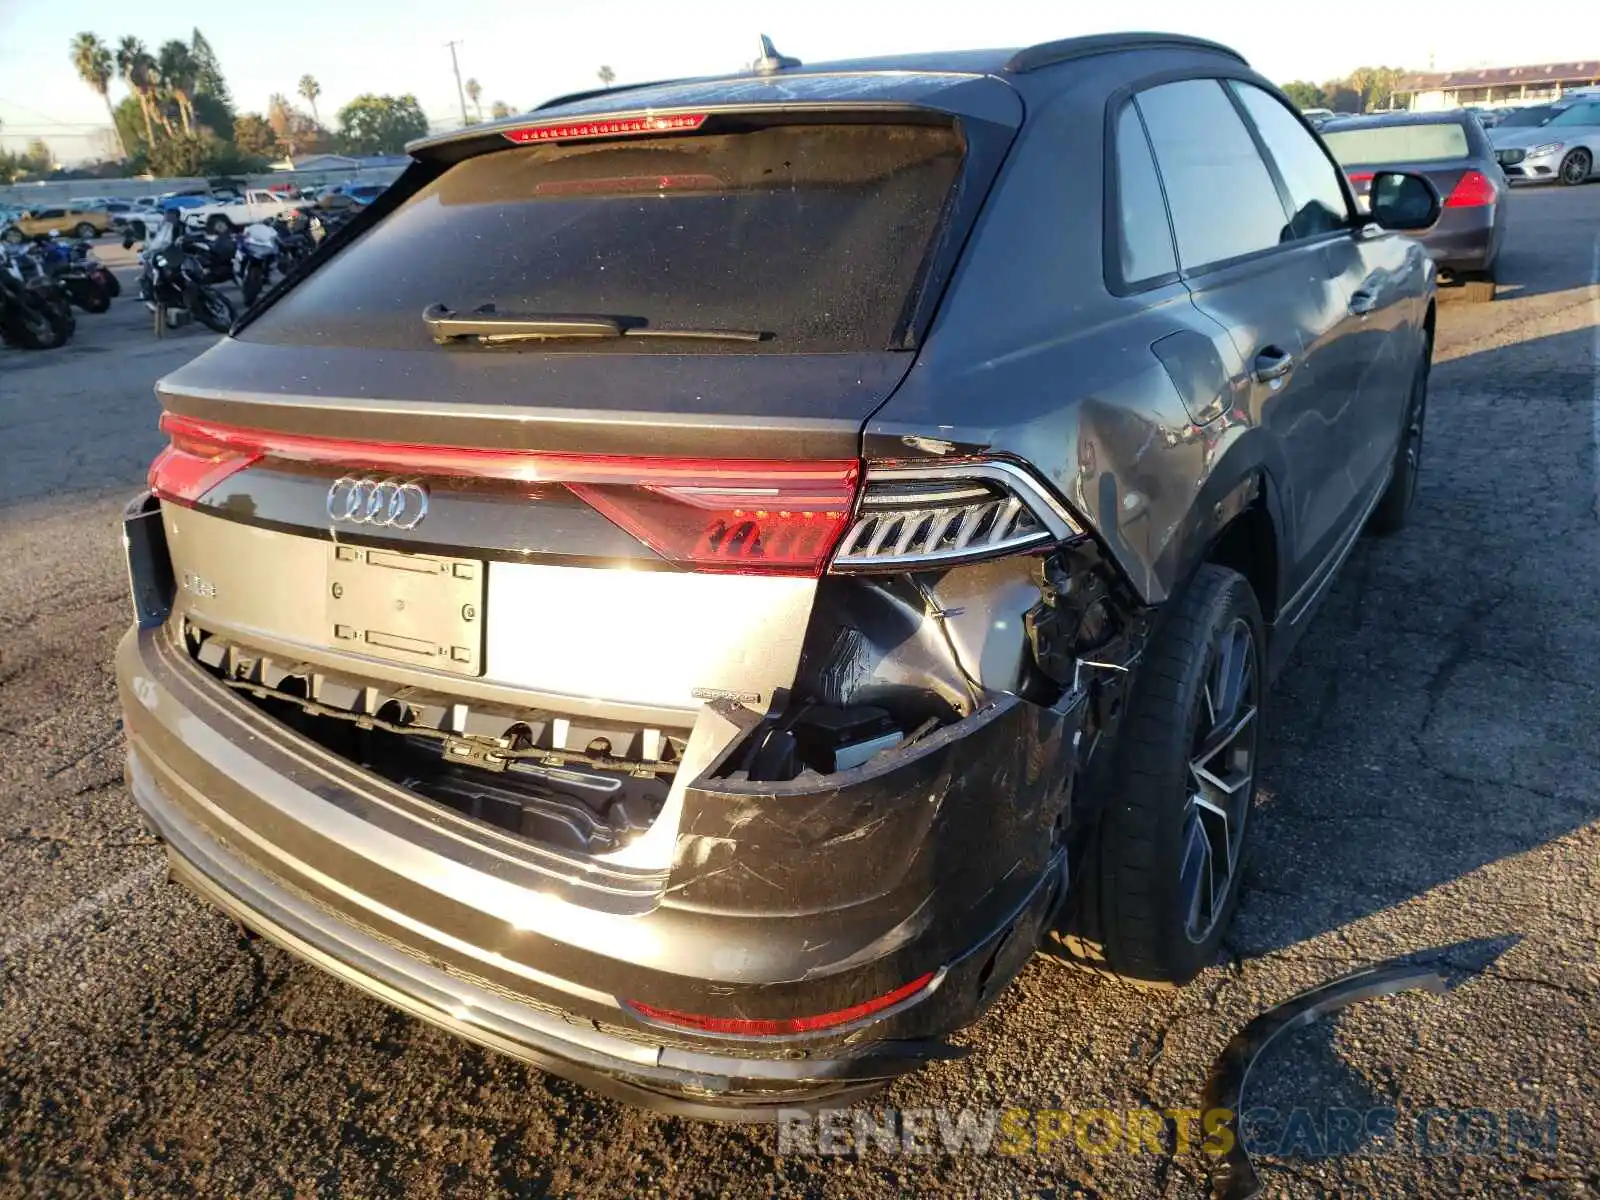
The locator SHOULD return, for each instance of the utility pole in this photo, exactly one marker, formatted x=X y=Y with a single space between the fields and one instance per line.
x=456 y=67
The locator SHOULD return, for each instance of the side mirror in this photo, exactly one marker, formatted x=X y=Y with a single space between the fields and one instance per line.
x=1403 y=202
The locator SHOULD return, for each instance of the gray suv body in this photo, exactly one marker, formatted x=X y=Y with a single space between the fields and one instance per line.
x=696 y=584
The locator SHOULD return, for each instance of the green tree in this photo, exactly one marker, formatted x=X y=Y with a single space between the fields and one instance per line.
x=181 y=76
x=138 y=71
x=499 y=109
x=95 y=67
x=1374 y=85
x=606 y=76
x=208 y=74
x=1305 y=95
x=475 y=94
x=253 y=135
x=177 y=157
x=309 y=90
x=372 y=124
x=37 y=158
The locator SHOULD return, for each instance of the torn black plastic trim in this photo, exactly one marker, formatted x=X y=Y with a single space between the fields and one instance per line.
x=150 y=580
x=1235 y=1177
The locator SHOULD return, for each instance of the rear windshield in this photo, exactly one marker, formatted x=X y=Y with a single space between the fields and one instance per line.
x=812 y=233
x=1379 y=144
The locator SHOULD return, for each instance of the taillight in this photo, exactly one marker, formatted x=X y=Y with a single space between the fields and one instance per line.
x=950 y=513
x=1472 y=190
x=195 y=462
x=754 y=1027
x=775 y=517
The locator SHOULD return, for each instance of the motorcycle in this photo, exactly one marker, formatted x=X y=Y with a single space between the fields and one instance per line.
x=86 y=282
x=175 y=280
x=31 y=316
x=297 y=239
x=254 y=260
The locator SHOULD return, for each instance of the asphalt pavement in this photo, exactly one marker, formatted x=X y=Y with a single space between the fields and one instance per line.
x=1430 y=790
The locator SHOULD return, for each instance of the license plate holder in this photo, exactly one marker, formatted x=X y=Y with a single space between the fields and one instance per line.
x=422 y=610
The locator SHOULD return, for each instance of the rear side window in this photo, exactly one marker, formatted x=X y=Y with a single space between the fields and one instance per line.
x=1313 y=181
x=1144 y=239
x=1223 y=202
x=812 y=233
x=1377 y=145
x=1578 y=114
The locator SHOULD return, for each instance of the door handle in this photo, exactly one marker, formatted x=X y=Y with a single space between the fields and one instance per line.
x=1272 y=363
x=1362 y=302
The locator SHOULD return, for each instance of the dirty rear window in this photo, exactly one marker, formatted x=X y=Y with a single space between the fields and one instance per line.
x=814 y=233
x=1381 y=144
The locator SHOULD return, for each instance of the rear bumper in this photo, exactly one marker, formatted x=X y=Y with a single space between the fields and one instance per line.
x=481 y=935
x=1464 y=239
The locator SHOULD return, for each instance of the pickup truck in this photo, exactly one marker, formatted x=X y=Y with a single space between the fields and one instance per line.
x=258 y=204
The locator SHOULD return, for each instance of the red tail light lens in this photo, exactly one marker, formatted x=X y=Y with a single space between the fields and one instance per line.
x=1472 y=190
x=1361 y=176
x=748 y=1027
x=775 y=517
x=195 y=462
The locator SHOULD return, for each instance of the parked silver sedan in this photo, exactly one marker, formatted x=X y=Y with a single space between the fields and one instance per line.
x=1564 y=149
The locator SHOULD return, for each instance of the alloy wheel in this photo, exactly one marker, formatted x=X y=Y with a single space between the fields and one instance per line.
x=1221 y=779
x=1575 y=167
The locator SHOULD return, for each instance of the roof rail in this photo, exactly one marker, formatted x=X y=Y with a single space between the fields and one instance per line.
x=1048 y=54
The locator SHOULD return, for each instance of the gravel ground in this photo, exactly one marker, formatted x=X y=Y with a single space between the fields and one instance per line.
x=1431 y=788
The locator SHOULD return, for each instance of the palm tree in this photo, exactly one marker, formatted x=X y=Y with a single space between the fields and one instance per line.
x=137 y=69
x=607 y=76
x=499 y=109
x=474 y=92
x=179 y=71
x=310 y=89
x=95 y=67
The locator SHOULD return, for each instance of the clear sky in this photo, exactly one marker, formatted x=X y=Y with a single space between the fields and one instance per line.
x=524 y=52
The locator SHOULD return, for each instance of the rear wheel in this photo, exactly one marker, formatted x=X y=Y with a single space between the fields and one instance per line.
x=215 y=310
x=1172 y=833
x=1575 y=167
x=1393 y=510
x=86 y=231
x=30 y=328
x=12 y=235
x=218 y=224
x=93 y=298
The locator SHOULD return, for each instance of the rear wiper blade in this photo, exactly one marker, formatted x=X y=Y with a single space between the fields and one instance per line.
x=490 y=328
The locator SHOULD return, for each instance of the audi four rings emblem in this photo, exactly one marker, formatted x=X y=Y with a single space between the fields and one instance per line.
x=389 y=503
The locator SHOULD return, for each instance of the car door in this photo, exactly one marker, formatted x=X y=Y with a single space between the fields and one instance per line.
x=1368 y=366
x=43 y=221
x=1277 y=298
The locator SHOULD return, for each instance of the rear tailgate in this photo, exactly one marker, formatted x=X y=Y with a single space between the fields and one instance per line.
x=637 y=525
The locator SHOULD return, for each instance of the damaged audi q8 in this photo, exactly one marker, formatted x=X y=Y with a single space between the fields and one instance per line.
x=696 y=584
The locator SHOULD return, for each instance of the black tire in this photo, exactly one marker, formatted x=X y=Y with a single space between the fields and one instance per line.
x=85 y=232
x=139 y=229
x=1392 y=512
x=30 y=328
x=215 y=310
x=1133 y=917
x=218 y=225
x=94 y=299
x=113 y=285
x=254 y=276
x=13 y=235
x=1575 y=167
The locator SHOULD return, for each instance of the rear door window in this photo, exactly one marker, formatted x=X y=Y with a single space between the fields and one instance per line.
x=1308 y=173
x=812 y=233
x=1223 y=201
x=1144 y=237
